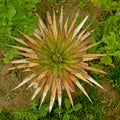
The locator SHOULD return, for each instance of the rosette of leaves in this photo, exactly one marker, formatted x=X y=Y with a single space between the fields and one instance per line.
x=56 y=55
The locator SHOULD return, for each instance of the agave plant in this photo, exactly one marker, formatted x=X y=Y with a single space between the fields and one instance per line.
x=56 y=55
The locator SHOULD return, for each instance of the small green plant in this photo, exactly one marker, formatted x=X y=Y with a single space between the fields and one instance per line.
x=82 y=4
x=24 y=115
x=32 y=113
x=111 y=38
x=111 y=35
x=109 y=32
x=68 y=111
x=15 y=15
x=114 y=76
x=5 y=115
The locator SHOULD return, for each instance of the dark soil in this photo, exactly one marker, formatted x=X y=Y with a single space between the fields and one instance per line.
x=9 y=99
x=111 y=102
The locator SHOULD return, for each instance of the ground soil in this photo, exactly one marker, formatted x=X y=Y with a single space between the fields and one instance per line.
x=111 y=101
x=9 y=99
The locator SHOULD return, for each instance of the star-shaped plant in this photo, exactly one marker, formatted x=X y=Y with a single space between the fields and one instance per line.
x=56 y=55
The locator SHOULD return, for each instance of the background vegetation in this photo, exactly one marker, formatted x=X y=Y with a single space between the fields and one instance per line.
x=15 y=15
x=20 y=15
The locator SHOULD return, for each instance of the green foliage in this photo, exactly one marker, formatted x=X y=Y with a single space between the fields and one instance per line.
x=82 y=4
x=109 y=33
x=5 y=115
x=67 y=113
x=33 y=113
x=10 y=54
x=106 y=60
x=67 y=104
x=66 y=117
x=111 y=37
x=114 y=77
x=107 y=5
x=82 y=110
x=15 y=15
x=56 y=1
x=90 y=111
x=24 y=115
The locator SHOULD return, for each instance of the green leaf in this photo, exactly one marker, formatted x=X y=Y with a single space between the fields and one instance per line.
x=30 y=6
x=6 y=30
x=11 y=11
x=106 y=60
x=69 y=111
x=2 y=1
x=81 y=4
x=66 y=117
x=110 y=41
x=117 y=54
x=43 y=110
x=67 y=103
x=58 y=110
x=77 y=107
x=13 y=17
x=10 y=54
x=73 y=117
